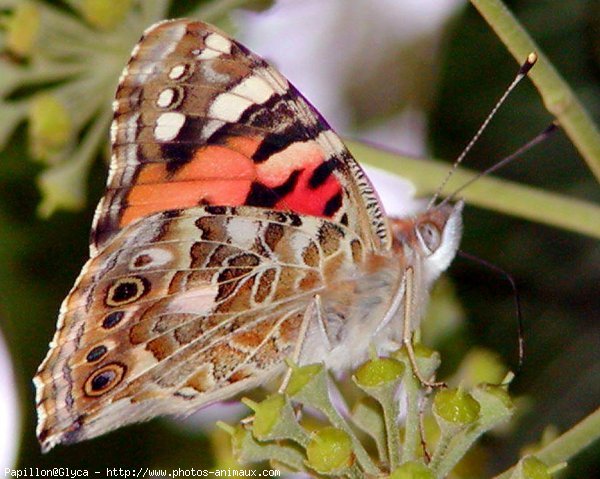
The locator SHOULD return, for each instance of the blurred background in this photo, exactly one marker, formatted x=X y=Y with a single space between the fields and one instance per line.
x=416 y=76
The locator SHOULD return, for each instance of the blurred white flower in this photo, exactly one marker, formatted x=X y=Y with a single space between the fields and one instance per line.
x=10 y=416
x=358 y=62
x=396 y=193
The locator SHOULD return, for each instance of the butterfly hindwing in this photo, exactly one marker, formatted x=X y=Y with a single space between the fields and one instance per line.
x=181 y=309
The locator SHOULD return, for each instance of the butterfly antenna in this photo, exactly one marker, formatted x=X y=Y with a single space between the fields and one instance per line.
x=522 y=73
x=549 y=130
x=517 y=299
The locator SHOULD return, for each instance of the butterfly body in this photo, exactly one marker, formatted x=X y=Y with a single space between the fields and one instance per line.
x=234 y=219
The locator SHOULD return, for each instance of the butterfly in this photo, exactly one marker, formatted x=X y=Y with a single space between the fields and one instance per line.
x=236 y=230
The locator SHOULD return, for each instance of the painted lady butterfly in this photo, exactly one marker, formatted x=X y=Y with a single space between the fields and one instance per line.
x=236 y=230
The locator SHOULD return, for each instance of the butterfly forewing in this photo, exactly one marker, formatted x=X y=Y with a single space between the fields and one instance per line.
x=201 y=120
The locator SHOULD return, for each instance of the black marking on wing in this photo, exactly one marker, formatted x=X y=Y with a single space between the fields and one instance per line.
x=333 y=204
x=262 y=195
x=322 y=172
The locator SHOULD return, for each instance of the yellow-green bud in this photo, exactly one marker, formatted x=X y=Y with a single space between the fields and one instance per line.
x=482 y=366
x=50 y=126
x=455 y=406
x=412 y=470
x=238 y=436
x=104 y=14
x=330 y=450
x=266 y=415
x=301 y=376
x=421 y=351
x=379 y=371
x=22 y=29
x=533 y=468
x=499 y=393
x=62 y=187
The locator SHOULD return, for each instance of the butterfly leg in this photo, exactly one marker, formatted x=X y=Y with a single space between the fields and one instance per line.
x=407 y=336
x=315 y=311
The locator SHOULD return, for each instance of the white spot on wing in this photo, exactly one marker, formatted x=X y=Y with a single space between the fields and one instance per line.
x=130 y=159
x=113 y=131
x=168 y=126
x=254 y=88
x=218 y=42
x=208 y=54
x=131 y=128
x=177 y=72
x=299 y=241
x=165 y=98
x=215 y=46
x=136 y=50
x=112 y=170
x=124 y=74
x=157 y=256
x=198 y=301
x=230 y=105
x=243 y=233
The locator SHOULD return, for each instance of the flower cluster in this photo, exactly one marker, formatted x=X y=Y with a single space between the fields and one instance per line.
x=388 y=432
x=59 y=72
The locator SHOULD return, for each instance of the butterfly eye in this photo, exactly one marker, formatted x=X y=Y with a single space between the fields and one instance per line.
x=104 y=379
x=127 y=290
x=429 y=237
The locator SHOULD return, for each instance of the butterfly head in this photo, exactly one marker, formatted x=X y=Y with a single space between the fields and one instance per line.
x=431 y=237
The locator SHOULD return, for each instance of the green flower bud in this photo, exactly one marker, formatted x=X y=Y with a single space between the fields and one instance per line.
x=301 y=376
x=238 y=434
x=377 y=372
x=104 y=14
x=422 y=351
x=330 y=451
x=50 y=126
x=428 y=359
x=454 y=406
x=499 y=393
x=63 y=187
x=481 y=366
x=22 y=29
x=533 y=468
x=266 y=415
x=412 y=470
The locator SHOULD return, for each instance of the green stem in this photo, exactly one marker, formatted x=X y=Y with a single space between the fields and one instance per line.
x=440 y=452
x=390 y=415
x=412 y=437
x=559 y=98
x=568 y=444
x=492 y=193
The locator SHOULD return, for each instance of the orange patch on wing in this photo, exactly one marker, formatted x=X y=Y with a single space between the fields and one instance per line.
x=216 y=174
